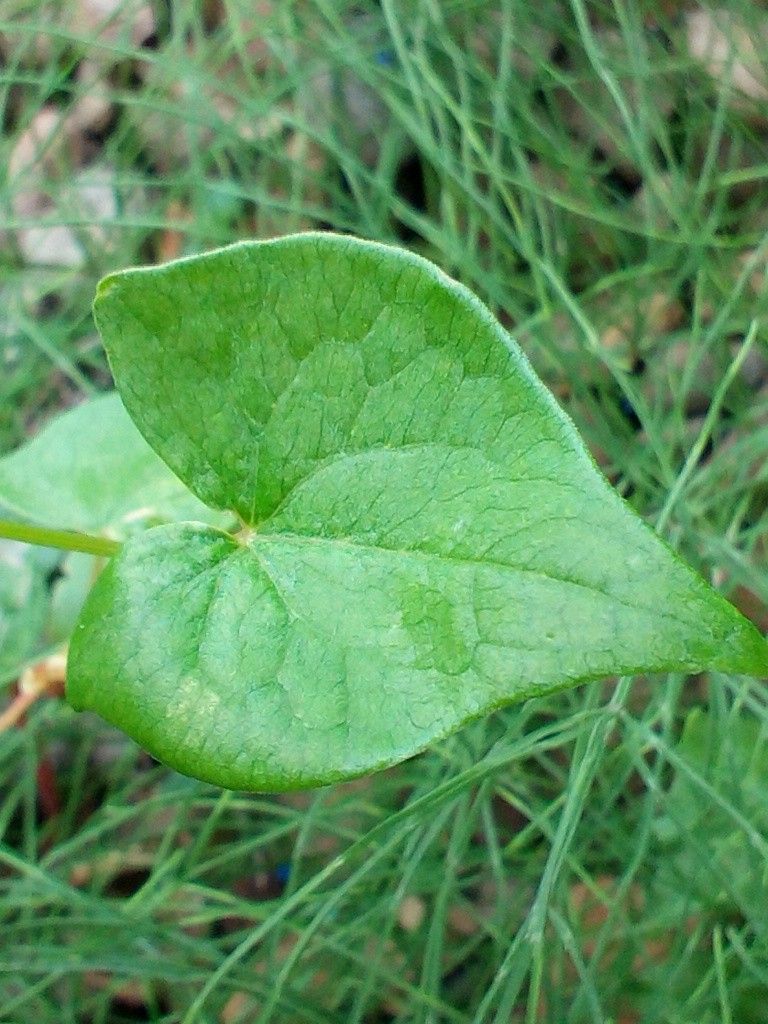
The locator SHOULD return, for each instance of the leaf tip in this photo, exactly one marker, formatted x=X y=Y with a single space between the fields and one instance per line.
x=746 y=653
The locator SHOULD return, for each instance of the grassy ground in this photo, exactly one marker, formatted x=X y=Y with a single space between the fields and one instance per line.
x=598 y=173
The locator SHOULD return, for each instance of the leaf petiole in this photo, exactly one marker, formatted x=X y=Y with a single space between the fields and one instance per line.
x=67 y=540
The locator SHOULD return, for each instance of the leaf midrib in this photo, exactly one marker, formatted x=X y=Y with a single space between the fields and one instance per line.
x=353 y=545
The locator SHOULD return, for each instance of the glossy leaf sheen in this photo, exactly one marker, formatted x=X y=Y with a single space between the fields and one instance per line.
x=428 y=537
x=90 y=469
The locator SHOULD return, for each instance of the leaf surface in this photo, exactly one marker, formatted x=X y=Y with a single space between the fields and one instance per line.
x=90 y=469
x=428 y=538
x=22 y=605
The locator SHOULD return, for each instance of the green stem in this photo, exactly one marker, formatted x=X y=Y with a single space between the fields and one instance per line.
x=65 y=539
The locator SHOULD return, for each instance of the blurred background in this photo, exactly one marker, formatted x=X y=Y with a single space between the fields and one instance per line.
x=598 y=173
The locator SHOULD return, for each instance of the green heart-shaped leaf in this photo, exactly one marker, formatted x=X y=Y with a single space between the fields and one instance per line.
x=426 y=538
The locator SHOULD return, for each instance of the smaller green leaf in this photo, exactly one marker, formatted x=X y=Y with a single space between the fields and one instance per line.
x=78 y=572
x=732 y=759
x=23 y=601
x=719 y=783
x=90 y=469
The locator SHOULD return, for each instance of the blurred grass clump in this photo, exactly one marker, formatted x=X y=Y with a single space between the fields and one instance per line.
x=598 y=173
